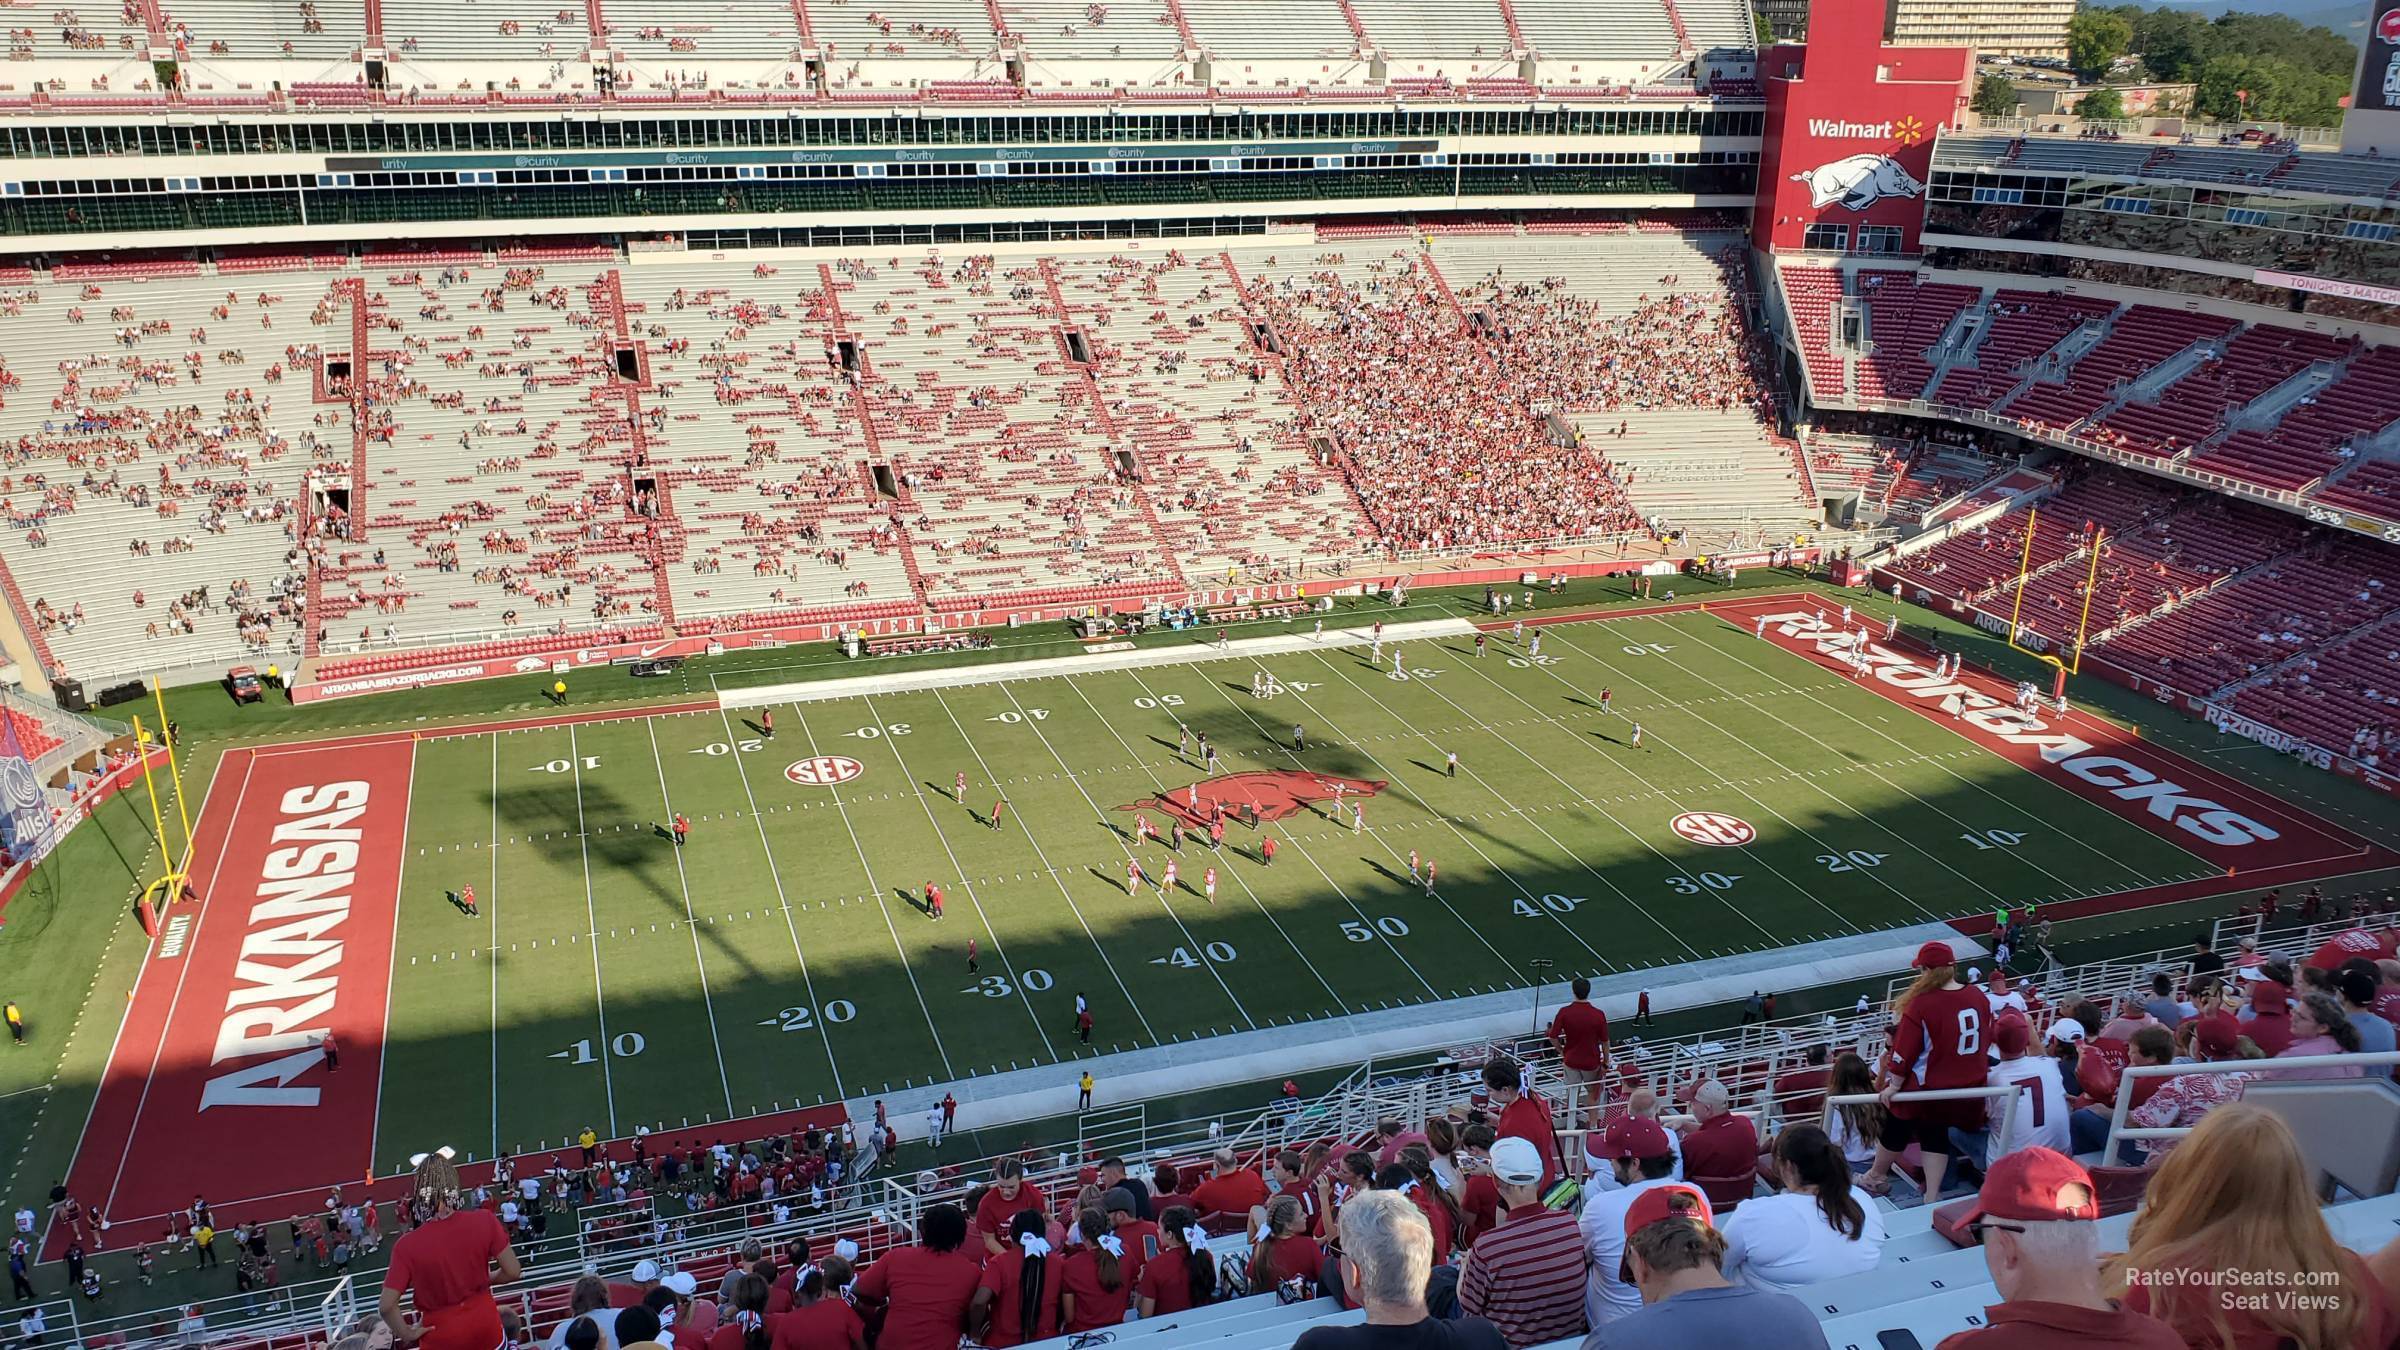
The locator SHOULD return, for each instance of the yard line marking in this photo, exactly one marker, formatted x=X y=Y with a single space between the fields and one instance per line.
x=1234 y=875
x=1397 y=781
x=1298 y=843
x=608 y=1083
x=495 y=742
x=383 y=1062
x=1034 y=725
x=907 y=967
x=1827 y=680
x=1511 y=808
x=1762 y=803
x=892 y=743
x=1582 y=797
x=683 y=883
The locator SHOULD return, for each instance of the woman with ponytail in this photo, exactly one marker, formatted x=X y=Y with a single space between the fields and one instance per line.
x=1018 y=1299
x=1820 y=1226
x=1181 y=1276
x=1284 y=1251
x=1092 y=1284
x=1940 y=1036
x=445 y=1264
x=820 y=1319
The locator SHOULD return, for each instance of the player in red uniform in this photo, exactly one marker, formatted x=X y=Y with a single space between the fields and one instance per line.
x=1940 y=1035
x=466 y=899
x=933 y=900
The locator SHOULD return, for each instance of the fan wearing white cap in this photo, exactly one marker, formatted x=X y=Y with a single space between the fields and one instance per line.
x=643 y=1279
x=1527 y=1275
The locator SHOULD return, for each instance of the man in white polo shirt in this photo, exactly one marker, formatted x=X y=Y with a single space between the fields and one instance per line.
x=1637 y=1153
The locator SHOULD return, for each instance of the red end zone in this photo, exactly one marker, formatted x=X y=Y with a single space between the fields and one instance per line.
x=218 y=1083
x=2219 y=819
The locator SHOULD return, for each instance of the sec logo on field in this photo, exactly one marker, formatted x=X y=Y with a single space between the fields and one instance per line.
x=824 y=770
x=1713 y=828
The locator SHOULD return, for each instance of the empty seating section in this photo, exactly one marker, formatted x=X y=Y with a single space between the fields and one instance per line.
x=2193 y=408
x=1415 y=34
x=232 y=43
x=2369 y=489
x=677 y=32
x=1259 y=42
x=1005 y=465
x=1977 y=564
x=2345 y=697
x=524 y=40
x=2306 y=441
x=2022 y=326
x=1718 y=25
x=2291 y=606
x=1905 y=317
x=891 y=44
x=1628 y=40
x=1812 y=293
x=1225 y=467
x=1141 y=32
x=2137 y=342
x=498 y=498
x=2164 y=559
x=155 y=441
x=759 y=443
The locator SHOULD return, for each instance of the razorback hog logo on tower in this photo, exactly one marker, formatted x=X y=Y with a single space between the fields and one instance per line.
x=1275 y=792
x=1858 y=182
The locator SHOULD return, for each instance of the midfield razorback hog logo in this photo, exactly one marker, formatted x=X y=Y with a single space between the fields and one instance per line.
x=1858 y=182
x=1276 y=793
x=2121 y=778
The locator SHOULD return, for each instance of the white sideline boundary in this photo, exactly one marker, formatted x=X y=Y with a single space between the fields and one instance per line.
x=1201 y=648
x=1021 y=1095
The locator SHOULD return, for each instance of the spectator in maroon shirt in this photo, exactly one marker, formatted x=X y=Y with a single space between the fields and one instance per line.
x=1523 y=1115
x=1232 y=1189
x=1800 y=1093
x=1009 y=1193
x=1580 y=1031
x=1721 y=1143
x=926 y=1287
x=1527 y=1275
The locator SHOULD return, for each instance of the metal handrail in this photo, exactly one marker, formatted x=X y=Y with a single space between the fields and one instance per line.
x=2117 y=1128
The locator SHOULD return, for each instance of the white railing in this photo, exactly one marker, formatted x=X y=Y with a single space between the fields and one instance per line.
x=2277 y=1067
x=2008 y=1113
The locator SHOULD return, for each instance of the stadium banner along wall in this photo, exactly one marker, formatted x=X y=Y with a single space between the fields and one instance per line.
x=1850 y=130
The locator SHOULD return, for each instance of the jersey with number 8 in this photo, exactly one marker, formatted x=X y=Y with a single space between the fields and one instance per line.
x=1939 y=1042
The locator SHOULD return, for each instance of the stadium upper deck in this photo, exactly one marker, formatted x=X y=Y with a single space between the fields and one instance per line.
x=280 y=53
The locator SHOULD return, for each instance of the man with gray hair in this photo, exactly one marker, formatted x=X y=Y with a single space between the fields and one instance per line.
x=2035 y=1217
x=1719 y=1144
x=1387 y=1256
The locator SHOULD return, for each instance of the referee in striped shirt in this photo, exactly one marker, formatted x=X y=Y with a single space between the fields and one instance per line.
x=1527 y=1275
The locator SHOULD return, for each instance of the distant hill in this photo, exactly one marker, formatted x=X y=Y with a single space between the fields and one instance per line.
x=2349 y=20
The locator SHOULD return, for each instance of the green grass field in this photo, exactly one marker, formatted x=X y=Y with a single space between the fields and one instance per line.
x=782 y=959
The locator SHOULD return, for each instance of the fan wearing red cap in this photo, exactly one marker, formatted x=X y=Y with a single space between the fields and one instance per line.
x=2037 y=1115
x=1638 y=1154
x=1675 y=1257
x=1940 y=1033
x=2035 y=1217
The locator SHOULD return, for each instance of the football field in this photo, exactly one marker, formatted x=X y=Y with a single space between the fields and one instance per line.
x=783 y=958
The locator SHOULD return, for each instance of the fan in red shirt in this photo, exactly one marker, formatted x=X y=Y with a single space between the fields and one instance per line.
x=1010 y=1193
x=744 y=1324
x=1939 y=1039
x=819 y=1320
x=1094 y=1288
x=1524 y=1114
x=1234 y=1189
x=1580 y=1031
x=1018 y=1300
x=1138 y=1237
x=925 y=1288
x=445 y=1263
x=1182 y=1276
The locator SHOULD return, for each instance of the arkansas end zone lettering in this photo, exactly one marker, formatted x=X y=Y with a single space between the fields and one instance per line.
x=2126 y=775
x=223 y=1055
x=291 y=955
